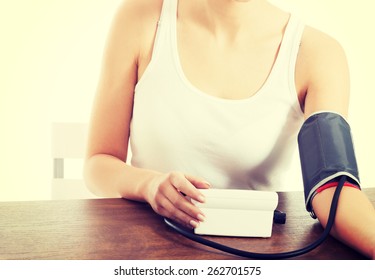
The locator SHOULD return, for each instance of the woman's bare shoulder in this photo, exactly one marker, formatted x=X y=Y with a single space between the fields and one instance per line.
x=139 y=12
x=323 y=71
x=318 y=44
x=133 y=28
x=135 y=23
x=320 y=54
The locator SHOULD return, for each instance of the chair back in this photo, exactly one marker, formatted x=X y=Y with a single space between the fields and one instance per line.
x=68 y=146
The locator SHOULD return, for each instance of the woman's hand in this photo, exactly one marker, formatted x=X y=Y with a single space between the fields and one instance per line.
x=170 y=196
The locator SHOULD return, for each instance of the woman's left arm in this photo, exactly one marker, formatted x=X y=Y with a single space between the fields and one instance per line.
x=355 y=218
x=322 y=65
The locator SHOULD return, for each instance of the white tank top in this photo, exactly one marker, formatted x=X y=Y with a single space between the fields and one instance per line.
x=248 y=143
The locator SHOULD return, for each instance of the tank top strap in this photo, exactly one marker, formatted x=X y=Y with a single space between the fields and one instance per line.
x=166 y=21
x=292 y=47
x=292 y=35
x=284 y=69
x=292 y=41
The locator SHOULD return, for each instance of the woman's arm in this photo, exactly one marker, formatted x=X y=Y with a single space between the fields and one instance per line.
x=324 y=67
x=106 y=172
x=107 y=145
x=355 y=218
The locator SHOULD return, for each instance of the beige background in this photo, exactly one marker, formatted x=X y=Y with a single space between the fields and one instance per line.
x=49 y=63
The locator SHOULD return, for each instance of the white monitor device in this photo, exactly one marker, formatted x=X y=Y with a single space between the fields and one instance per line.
x=233 y=212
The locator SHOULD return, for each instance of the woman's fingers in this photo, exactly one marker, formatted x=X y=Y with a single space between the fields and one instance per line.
x=183 y=203
x=188 y=185
x=168 y=209
x=198 y=182
x=173 y=198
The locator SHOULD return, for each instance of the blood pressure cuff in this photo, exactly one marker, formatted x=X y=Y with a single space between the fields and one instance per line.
x=326 y=153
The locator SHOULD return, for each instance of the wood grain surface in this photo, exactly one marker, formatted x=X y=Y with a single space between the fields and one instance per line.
x=118 y=229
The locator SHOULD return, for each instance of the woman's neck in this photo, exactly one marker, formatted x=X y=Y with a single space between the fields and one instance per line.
x=229 y=19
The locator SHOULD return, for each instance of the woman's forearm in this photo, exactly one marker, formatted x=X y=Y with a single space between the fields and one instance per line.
x=355 y=218
x=108 y=176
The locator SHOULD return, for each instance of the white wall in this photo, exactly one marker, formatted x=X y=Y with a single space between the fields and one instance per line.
x=50 y=52
x=49 y=62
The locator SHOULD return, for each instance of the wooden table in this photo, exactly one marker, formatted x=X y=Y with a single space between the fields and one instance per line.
x=110 y=229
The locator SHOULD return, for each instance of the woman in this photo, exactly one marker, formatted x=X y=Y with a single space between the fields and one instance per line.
x=213 y=93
